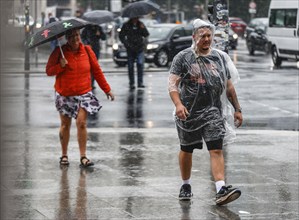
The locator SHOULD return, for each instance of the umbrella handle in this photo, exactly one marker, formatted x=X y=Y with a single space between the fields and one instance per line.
x=59 y=44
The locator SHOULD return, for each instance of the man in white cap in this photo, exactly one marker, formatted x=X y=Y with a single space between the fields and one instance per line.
x=200 y=83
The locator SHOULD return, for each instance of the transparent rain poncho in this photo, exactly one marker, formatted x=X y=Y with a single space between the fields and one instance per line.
x=201 y=82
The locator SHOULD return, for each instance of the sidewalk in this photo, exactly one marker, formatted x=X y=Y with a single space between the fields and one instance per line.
x=134 y=145
x=136 y=176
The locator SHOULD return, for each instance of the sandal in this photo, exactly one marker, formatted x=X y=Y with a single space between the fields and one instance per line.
x=87 y=163
x=64 y=160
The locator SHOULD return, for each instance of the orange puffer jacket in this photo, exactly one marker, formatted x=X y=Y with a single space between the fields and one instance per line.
x=74 y=79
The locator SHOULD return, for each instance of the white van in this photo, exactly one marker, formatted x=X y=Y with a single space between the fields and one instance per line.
x=283 y=30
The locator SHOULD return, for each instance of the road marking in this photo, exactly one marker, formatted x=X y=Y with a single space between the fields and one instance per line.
x=273 y=108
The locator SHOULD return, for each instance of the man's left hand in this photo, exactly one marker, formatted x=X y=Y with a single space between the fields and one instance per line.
x=238 y=119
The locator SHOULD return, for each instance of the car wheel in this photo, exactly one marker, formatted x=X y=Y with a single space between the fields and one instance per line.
x=250 y=48
x=275 y=57
x=161 y=58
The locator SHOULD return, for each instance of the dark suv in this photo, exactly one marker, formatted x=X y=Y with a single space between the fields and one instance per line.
x=164 y=42
x=256 y=36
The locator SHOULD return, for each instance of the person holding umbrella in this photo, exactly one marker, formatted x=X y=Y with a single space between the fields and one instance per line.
x=133 y=35
x=73 y=92
x=54 y=43
x=91 y=35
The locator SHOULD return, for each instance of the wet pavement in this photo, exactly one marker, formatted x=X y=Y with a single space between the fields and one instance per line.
x=134 y=145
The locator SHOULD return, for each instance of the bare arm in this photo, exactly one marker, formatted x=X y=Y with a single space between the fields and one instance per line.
x=173 y=82
x=232 y=97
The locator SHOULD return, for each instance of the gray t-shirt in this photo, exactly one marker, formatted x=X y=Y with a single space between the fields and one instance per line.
x=203 y=80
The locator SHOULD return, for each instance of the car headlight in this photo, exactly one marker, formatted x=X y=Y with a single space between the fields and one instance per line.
x=152 y=46
x=115 y=46
x=38 y=25
x=235 y=36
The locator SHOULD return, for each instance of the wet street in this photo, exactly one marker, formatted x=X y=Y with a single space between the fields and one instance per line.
x=134 y=145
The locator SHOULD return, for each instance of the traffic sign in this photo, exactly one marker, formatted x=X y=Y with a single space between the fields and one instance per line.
x=252 y=5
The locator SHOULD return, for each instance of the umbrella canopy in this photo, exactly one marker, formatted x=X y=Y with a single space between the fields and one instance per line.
x=98 y=16
x=54 y=30
x=137 y=9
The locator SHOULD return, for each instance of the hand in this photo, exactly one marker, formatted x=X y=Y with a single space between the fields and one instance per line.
x=238 y=119
x=63 y=62
x=110 y=96
x=181 y=112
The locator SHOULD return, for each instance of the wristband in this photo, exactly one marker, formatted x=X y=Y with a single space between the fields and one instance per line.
x=238 y=110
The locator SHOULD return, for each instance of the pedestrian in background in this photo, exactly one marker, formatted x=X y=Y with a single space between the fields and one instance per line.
x=51 y=18
x=91 y=35
x=73 y=92
x=133 y=35
x=78 y=14
x=200 y=79
x=43 y=16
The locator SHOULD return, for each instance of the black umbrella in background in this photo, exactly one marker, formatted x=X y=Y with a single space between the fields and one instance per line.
x=55 y=30
x=137 y=9
x=98 y=16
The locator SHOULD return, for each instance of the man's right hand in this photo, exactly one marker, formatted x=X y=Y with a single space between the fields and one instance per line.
x=181 y=112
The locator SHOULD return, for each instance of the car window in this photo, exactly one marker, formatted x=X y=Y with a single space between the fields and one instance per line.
x=283 y=18
x=258 y=22
x=188 y=31
x=179 y=32
x=236 y=20
x=158 y=32
x=291 y=17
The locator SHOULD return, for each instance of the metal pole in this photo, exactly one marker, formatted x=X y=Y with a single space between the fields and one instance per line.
x=27 y=32
x=35 y=21
x=169 y=8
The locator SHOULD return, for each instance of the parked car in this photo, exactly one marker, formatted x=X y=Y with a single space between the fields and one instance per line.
x=238 y=25
x=256 y=36
x=164 y=42
x=20 y=21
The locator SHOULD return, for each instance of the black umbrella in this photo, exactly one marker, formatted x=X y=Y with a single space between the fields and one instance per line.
x=137 y=9
x=98 y=16
x=54 y=30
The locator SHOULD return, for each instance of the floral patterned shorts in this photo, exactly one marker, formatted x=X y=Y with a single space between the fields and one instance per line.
x=70 y=105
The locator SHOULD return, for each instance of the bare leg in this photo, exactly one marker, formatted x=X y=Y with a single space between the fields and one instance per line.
x=185 y=160
x=217 y=164
x=82 y=131
x=64 y=133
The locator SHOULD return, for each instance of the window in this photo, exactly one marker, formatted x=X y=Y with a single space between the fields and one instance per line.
x=179 y=32
x=291 y=17
x=283 y=18
x=188 y=31
x=58 y=2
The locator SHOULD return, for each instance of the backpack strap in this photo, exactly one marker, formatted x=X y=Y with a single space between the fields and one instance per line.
x=87 y=52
